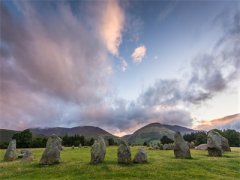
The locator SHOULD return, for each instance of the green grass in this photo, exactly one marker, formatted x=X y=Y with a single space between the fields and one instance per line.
x=162 y=165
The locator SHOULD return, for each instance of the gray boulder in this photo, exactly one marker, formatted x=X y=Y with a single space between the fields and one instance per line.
x=141 y=156
x=214 y=143
x=98 y=151
x=225 y=144
x=201 y=147
x=160 y=146
x=168 y=146
x=154 y=147
x=26 y=155
x=181 y=148
x=11 y=152
x=80 y=145
x=191 y=145
x=124 y=153
x=51 y=154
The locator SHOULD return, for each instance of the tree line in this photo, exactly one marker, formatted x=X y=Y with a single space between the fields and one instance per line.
x=25 y=139
x=232 y=135
x=200 y=137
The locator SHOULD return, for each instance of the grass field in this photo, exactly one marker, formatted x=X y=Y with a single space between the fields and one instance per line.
x=162 y=165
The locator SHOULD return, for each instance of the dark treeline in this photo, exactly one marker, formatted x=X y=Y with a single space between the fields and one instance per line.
x=201 y=137
x=25 y=139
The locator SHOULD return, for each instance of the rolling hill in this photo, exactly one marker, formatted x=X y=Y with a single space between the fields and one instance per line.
x=87 y=131
x=6 y=135
x=154 y=132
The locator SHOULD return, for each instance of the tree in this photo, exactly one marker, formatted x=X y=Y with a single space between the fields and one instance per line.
x=23 y=139
x=39 y=142
x=166 y=140
x=232 y=136
x=145 y=143
x=111 y=142
x=189 y=137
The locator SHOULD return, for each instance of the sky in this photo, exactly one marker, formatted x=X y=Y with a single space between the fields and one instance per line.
x=119 y=65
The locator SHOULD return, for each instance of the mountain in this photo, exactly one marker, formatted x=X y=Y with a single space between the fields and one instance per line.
x=6 y=135
x=154 y=132
x=88 y=131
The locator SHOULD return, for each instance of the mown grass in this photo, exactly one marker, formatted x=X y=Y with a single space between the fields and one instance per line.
x=162 y=165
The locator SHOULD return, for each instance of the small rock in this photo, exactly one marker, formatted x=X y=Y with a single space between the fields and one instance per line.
x=201 y=147
x=225 y=144
x=26 y=155
x=168 y=146
x=141 y=156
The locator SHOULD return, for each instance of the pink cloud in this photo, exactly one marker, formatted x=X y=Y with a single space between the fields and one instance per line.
x=111 y=26
x=139 y=53
x=222 y=123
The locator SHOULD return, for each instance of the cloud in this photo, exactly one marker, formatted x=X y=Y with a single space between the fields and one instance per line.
x=139 y=53
x=210 y=74
x=55 y=72
x=124 y=65
x=229 y=122
x=46 y=63
x=111 y=25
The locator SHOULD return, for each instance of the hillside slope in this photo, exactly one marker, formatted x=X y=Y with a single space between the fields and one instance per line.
x=154 y=132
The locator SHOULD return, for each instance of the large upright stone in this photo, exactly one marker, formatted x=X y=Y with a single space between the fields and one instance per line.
x=214 y=143
x=11 y=152
x=141 y=156
x=51 y=154
x=181 y=148
x=98 y=151
x=124 y=153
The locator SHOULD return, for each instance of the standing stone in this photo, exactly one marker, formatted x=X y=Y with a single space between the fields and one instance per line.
x=51 y=155
x=225 y=144
x=181 y=148
x=124 y=153
x=141 y=156
x=26 y=155
x=98 y=151
x=11 y=152
x=214 y=143
x=80 y=145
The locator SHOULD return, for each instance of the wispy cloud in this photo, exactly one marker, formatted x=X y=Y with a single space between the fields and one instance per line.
x=229 y=122
x=47 y=63
x=55 y=71
x=139 y=53
x=111 y=25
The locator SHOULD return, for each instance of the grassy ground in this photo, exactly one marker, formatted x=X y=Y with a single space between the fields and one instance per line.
x=162 y=165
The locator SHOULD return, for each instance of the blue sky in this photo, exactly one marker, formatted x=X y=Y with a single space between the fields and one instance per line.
x=118 y=64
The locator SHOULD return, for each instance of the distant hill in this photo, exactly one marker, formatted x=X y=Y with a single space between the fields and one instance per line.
x=87 y=131
x=154 y=132
x=6 y=135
